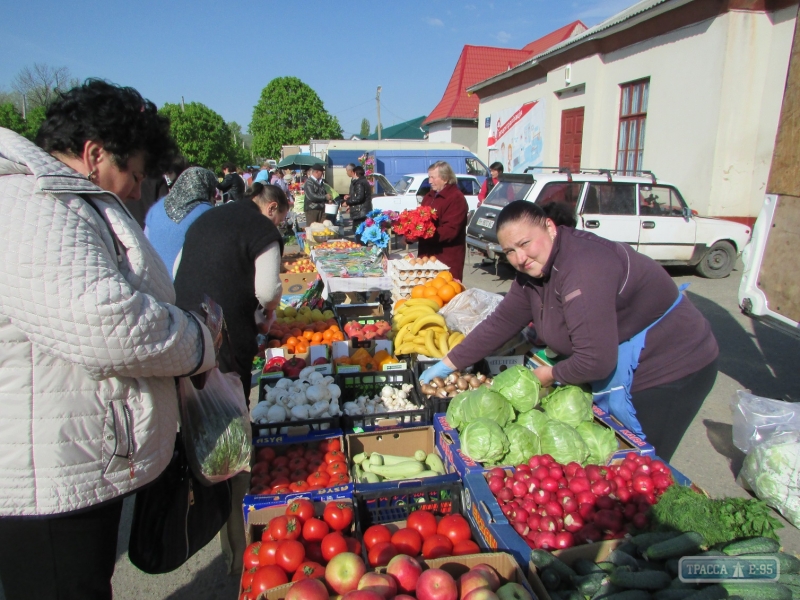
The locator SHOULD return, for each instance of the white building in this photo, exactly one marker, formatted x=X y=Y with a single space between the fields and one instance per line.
x=688 y=89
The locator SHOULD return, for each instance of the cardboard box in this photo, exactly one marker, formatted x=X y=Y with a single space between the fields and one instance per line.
x=314 y=352
x=352 y=311
x=349 y=347
x=398 y=442
x=597 y=552
x=629 y=441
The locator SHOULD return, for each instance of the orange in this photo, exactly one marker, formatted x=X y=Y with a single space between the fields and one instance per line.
x=418 y=291
x=431 y=292
x=456 y=286
x=316 y=337
x=438 y=300
x=447 y=293
x=327 y=335
x=437 y=282
x=334 y=327
x=307 y=334
x=301 y=348
x=399 y=303
x=292 y=341
x=338 y=336
x=446 y=275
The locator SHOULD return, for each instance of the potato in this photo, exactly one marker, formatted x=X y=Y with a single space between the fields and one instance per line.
x=462 y=383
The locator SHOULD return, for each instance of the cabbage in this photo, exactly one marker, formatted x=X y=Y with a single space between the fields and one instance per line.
x=483 y=441
x=453 y=415
x=772 y=470
x=519 y=386
x=533 y=420
x=523 y=444
x=569 y=404
x=476 y=404
x=601 y=441
x=563 y=443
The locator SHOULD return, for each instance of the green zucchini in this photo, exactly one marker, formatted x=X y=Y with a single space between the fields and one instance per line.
x=640 y=580
x=673 y=594
x=434 y=463
x=685 y=544
x=757 y=545
x=404 y=470
x=758 y=591
x=589 y=584
x=551 y=580
x=643 y=540
x=544 y=560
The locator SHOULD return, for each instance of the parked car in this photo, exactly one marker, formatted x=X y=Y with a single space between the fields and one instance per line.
x=648 y=214
x=407 y=193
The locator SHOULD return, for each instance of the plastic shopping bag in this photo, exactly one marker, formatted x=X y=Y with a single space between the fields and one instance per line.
x=768 y=431
x=215 y=426
x=469 y=308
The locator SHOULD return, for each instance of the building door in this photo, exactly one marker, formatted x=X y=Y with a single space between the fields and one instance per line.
x=571 y=138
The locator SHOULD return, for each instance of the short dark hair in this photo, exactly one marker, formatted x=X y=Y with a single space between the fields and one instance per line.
x=558 y=212
x=229 y=166
x=496 y=166
x=262 y=194
x=358 y=171
x=118 y=117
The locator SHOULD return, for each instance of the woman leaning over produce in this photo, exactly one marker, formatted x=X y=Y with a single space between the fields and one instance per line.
x=596 y=302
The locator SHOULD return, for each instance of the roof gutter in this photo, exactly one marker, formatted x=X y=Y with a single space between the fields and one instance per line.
x=609 y=27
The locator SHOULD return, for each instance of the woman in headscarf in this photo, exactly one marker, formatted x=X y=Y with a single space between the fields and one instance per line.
x=169 y=219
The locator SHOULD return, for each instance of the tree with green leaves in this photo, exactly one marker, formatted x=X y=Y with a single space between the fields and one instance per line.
x=202 y=134
x=11 y=118
x=364 y=129
x=290 y=112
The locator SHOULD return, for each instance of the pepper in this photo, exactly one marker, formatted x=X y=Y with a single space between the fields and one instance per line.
x=293 y=366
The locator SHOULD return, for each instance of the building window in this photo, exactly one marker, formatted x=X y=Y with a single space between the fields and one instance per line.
x=632 y=117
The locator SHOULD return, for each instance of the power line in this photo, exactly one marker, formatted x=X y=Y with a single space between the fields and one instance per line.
x=389 y=110
x=352 y=107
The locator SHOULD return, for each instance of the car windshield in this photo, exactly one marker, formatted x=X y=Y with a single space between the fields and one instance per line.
x=403 y=184
x=506 y=192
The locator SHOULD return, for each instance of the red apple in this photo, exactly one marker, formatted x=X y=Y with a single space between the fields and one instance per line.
x=362 y=595
x=490 y=574
x=344 y=571
x=481 y=594
x=436 y=584
x=404 y=597
x=472 y=580
x=307 y=589
x=380 y=583
x=406 y=571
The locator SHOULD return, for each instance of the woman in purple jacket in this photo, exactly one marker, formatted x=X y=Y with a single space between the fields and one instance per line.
x=595 y=302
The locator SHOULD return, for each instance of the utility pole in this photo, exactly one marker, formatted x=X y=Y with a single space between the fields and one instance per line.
x=183 y=105
x=378 y=99
x=24 y=107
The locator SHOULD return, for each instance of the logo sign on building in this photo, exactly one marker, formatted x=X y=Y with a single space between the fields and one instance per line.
x=516 y=136
x=716 y=569
x=487 y=122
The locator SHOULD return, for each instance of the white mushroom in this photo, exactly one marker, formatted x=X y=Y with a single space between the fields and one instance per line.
x=300 y=413
x=276 y=414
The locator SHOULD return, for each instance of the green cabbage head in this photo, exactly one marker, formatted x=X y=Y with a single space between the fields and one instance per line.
x=523 y=444
x=483 y=441
x=563 y=443
x=519 y=386
x=533 y=420
x=569 y=404
x=601 y=441
x=481 y=403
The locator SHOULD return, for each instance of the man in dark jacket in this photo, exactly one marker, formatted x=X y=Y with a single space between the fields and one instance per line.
x=360 y=198
x=232 y=186
x=316 y=195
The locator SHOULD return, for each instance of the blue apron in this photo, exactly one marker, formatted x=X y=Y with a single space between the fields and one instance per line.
x=613 y=394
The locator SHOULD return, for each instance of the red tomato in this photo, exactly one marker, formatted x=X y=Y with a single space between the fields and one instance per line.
x=335 y=456
x=339 y=479
x=314 y=455
x=318 y=478
x=266 y=555
x=279 y=481
x=297 y=464
x=309 y=570
x=251 y=555
x=299 y=486
x=424 y=522
x=407 y=541
x=302 y=509
x=334 y=445
x=267 y=578
x=280 y=489
x=437 y=546
x=285 y=528
x=259 y=467
x=323 y=447
x=333 y=544
x=266 y=454
x=381 y=553
x=295 y=451
x=247 y=578
x=337 y=468
x=465 y=547
x=339 y=515
x=298 y=475
x=315 y=465
x=376 y=534
x=290 y=555
x=455 y=527
x=280 y=461
x=315 y=529
x=277 y=472
x=314 y=552
x=354 y=546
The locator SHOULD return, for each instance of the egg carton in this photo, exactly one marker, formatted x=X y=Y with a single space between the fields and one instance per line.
x=400 y=294
x=412 y=274
x=404 y=265
x=409 y=284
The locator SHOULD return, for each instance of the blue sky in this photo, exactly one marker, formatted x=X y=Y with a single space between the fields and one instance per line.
x=223 y=53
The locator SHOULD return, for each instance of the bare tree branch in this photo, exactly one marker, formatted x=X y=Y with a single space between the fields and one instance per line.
x=40 y=83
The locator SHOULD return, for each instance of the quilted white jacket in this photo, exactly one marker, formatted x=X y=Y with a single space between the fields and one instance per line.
x=89 y=341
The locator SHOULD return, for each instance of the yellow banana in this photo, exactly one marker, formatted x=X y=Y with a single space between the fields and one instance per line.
x=420 y=323
x=441 y=342
x=421 y=302
x=412 y=317
x=455 y=337
x=407 y=309
x=430 y=345
x=457 y=341
x=406 y=348
x=401 y=335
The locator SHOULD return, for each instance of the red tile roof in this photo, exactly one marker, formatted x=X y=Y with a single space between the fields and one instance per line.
x=478 y=63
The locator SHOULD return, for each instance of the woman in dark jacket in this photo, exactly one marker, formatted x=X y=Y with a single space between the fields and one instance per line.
x=360 y=198
x=449 y=243
x=595 y=302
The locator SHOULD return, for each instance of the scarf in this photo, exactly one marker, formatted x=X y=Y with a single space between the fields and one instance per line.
x=194 y=186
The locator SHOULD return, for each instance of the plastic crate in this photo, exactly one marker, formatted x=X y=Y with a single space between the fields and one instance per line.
x=439 y=405
x=267 y=429
x=370 y=384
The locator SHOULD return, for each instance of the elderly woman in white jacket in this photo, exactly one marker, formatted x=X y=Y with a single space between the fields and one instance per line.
x=90 y=340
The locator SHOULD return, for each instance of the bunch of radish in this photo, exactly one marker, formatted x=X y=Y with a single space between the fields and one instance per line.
x=554 y=506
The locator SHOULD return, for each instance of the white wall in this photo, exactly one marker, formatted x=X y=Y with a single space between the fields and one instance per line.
x=715 y=95
x=439 y=132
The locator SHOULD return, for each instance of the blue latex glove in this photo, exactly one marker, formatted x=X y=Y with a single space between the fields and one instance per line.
x=440 y=369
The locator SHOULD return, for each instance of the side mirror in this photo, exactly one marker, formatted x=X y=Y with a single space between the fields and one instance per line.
x=687 y=213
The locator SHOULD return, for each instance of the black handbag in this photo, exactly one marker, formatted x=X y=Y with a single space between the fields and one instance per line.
x=176 y=516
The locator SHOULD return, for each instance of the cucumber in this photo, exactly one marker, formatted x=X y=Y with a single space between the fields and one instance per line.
x=544 y=560
x=672 y=567
x=583 y=566
x=621 y=559
x=673 y=594
x=789 y=564
x=589 y=584
x=606 y=589
x=573 y=596
x=685 y=544
x=712 y=592
x=628 y=548
x=683 y=585
x=712 y=553
x=629 y=595
x=757 y=545
x=550 y=579
x=758 y=591
x=643 y=540
x=608 y=567
x=640 y=580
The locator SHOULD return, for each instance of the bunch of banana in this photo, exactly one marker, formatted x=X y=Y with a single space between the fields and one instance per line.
x=419 y=328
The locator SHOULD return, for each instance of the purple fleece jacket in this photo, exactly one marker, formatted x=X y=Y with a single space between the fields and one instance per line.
x=594 y=294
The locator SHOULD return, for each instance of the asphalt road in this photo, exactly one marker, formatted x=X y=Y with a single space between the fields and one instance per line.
x=753 y=357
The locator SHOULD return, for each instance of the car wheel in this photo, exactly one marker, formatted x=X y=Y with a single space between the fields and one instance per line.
x=718 y=261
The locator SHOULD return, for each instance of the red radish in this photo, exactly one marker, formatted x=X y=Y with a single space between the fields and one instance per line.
x=545 y=540
x=564 y=540
x=549 y=484
x=630 y=511
x=521 y=528
x=640 y=521
x=581 y=472
x=523 y=467
x=601 y=488
x=520 y=515
x=623 y=494
x=562 y=483
x=547 y=524
x=588 y=534
x=546 y=460
x=661 y=481
x=506 y=509
x=542 y=511
x=564 y=493
x=495 y=484
x=533 y=521
x=586 y=511
x=529 y=504
x=642 y=484
x=620 y=482
x=533 y=462
x=579 y=484
x=541 y=496
x=604 y=502
x=608 y=520
x=505 y=494
x=658 y=466
x=573 y=522
x=586 y=497
x=569 y=504
x=522 y=476
x=497 y=472
x=570 y=469
x=519 y=488
x=532 y=534
x=533 y=485
x=553 y=509
x=642 y=470
x=556 y=472
x=625 y=473
x=541 y=472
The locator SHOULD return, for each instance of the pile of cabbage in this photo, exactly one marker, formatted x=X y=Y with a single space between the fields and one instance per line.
x=506 y=424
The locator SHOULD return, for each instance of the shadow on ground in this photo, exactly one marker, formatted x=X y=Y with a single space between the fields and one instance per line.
x=720 y=435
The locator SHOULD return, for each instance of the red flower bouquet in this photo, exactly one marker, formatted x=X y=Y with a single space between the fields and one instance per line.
x=417 y=224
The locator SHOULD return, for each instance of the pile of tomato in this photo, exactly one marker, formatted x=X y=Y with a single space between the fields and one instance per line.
x=423 y=535
x=297 y=545
x=299 y=468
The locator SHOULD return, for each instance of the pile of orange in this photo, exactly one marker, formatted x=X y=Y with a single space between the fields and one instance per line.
x=297 y=341
x=367 y=361
x=440 y=289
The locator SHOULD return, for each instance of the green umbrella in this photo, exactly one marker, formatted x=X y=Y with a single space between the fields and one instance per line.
x=299 y=161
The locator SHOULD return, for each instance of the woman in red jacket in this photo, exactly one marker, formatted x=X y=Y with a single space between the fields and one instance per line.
x=449 y=243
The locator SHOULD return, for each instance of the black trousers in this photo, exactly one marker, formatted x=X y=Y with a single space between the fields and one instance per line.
x=68 y=557
x=666 y=411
